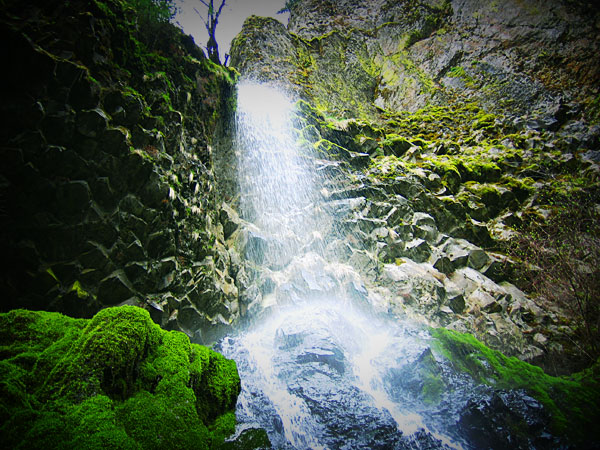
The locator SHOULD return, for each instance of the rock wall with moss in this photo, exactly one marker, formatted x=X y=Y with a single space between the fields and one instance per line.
x=532 y=61
x=107 y=187
x=463 y=142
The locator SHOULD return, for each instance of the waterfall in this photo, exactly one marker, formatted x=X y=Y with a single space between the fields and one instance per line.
x=322 y=369
x=277 y=184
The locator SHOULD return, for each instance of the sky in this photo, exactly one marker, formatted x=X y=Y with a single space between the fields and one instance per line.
x=230 y=21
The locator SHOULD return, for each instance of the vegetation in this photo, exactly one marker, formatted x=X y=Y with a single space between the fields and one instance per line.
x=114 y=381
x=289 y=4
x=559 y=254
x=572 y=401
x=154 y=11
x=211 y=20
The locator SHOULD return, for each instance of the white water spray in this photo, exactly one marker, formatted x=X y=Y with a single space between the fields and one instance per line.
x=277 y=185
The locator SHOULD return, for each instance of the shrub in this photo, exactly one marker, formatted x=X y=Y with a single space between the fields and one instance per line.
x=559 y=257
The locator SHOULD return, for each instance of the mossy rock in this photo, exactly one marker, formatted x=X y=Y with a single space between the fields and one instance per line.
x=114 y=381
x=572 y=401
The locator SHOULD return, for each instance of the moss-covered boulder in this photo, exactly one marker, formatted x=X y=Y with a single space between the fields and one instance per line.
x=572 y=401
x=114 y=381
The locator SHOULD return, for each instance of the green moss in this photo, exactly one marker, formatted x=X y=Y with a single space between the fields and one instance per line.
x=81 y=293
x=521 y=187
x=484 y=121
x=456 y=72
x=388 y=168
x=114 y=381
x=481 y=170
x=488 y=193
x=435 y=122
x=572 y=401
x=223 y=427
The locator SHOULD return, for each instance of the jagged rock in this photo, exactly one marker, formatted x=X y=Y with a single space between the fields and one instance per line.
x=484 y=301
x=103 y=193
x=73 y=198
x=477 y=259
x=229 y=219
x=135 y=251
x=457 y=252
x=418 y=250
x=457 y=304
x=115 y=141
x=115 y=289
x=161 y=244
x=444 y=265
x=155 y=192
x=92 y=123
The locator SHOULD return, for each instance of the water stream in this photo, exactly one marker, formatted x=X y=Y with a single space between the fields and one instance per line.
x=320 y=368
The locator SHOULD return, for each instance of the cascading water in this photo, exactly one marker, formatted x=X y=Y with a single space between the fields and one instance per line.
x=319 y=368
x=274 y=177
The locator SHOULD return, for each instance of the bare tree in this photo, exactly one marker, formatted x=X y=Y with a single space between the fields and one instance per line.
x=210 y=22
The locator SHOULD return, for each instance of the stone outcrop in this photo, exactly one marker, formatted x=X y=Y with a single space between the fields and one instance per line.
x=107 y=185
x=445 y=127
x=534 y=60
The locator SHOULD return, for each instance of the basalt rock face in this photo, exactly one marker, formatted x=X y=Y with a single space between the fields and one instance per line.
x=106 y=181
x=358 y=57
x=449 y=127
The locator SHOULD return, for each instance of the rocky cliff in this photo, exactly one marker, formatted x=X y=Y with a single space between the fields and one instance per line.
x=532 y=60
x=108 y=198
x=107 y=187
x=464 y=139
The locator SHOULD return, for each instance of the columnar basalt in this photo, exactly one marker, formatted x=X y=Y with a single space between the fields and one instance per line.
x=107 y=178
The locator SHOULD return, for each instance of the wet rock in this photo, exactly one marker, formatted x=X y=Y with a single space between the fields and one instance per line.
x=161 y=244
x=135 y=251
x=115 y=289
x=190 y=319
x=103 y=193
x=418 y=250
x=484 y=301
x=91 y=123
x=457 y=252
x=444 y=265
x=506 y=419
x=73 y=198
x=155 y=192
x=115 y=141
x=477 y=259
x=229 y=219
x=250 y=438
x=84 y=92
x=457 y=304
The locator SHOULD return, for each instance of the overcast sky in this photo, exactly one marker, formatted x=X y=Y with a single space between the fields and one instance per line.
x=230 y=21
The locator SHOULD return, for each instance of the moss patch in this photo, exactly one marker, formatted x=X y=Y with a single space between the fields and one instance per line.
x=572 y=401
x=114 y=381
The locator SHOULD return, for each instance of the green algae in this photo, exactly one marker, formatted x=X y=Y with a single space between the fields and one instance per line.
x=114 y=381
x=572 y=401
